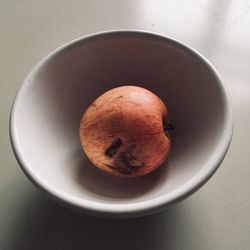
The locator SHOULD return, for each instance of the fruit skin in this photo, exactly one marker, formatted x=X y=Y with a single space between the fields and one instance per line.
x=122 y=131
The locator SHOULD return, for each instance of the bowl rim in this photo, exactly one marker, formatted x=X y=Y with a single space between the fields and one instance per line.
x=134 y=208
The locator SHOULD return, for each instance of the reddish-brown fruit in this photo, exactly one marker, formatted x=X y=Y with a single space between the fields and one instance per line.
x=124 y=131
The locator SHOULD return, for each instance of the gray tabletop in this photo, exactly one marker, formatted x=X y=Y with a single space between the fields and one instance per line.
x=217 y=217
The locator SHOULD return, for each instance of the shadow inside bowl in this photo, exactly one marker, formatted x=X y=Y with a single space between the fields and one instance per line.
x=93 y=180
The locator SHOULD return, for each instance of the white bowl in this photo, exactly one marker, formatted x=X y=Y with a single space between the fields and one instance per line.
x=44 y=124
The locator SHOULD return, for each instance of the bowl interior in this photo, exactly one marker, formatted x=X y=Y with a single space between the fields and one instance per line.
x=56 y=93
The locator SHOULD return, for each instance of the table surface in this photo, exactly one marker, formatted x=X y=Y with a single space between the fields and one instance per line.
x=217 y=217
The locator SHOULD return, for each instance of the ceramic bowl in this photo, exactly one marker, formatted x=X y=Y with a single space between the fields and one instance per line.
x=45 y=117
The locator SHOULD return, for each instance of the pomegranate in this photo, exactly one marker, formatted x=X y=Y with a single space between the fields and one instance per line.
x=125 y=131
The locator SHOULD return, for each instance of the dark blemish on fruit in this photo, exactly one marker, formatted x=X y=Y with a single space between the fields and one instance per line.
x=109 y=166
x=120 y=167
x=130 y=160
x=113 y=148
x=167 y=127
x=126 y=164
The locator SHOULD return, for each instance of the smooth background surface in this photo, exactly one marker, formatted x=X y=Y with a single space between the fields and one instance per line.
x=217 y=216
